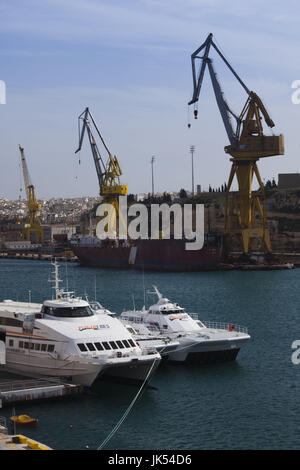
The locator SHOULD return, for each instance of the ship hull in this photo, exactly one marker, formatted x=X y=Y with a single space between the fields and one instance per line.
x=191 y=351
x=33 y=364
x=136 y=373
x=162 y=255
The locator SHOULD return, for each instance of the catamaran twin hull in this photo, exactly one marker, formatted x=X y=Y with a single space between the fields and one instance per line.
x=208 y=352
x=85 y=373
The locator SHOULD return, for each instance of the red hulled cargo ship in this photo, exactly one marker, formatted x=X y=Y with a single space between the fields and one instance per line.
x=162 y=255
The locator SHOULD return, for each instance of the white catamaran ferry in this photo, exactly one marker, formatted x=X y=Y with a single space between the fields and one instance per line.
x=64 y=337
x=198 y=342
x=161 y=344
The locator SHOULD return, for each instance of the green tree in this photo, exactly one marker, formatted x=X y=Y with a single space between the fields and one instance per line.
x=182 y=194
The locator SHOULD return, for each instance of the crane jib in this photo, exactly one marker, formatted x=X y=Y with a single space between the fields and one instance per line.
x=109 y=171
x=245 y=215
x=197 y=81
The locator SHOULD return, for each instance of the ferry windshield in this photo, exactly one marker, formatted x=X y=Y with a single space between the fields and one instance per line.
x=171 y=312
x=69 y=312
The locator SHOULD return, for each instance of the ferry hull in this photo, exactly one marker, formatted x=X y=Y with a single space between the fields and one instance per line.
x=212 y=357
x=136 y=372
x=162 y=255
x=79 y=373
x=208 y=352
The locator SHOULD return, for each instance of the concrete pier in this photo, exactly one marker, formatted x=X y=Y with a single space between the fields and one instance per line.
x=20 y=442
x=15 y=389
x=17 y=441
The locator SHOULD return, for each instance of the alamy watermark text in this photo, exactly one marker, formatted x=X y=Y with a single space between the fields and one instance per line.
x=2 y=92
x=160 y=221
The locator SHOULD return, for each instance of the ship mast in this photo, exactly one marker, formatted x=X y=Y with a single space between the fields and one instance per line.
x=56 y=280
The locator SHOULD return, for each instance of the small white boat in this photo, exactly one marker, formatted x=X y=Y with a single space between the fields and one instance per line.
x=198 y=342
x=64 y=337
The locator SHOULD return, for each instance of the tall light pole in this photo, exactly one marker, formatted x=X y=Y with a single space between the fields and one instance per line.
x=152 y=161
x=192 y=150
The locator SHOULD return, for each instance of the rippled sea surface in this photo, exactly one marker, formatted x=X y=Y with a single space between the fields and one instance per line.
x=252 y=403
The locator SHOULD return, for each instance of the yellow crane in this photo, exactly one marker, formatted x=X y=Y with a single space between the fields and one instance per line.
x=32 y=223
x=245 y=210
x=108 y=171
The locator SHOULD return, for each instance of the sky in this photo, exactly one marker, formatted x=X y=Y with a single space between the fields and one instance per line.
x=129 y=61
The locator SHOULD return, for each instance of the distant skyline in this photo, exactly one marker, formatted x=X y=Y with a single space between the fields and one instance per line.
x=129 y=61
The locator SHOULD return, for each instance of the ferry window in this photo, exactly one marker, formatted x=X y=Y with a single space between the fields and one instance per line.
x=11 y=322
x=99 y=346
x=132 y=343
x=26 y=345
x=46 y=310
x=106 y=345
x=71 y=312
x=127 y=345
x=11 y=342
x=131 y=330
x=82 y=347
x=91 y=346
x=43 y=347
x=50 y=347
x=21 y=344
x=37 y=346
x=113 y=345
x=120 y=344
x=165 y=326
x=31 y=346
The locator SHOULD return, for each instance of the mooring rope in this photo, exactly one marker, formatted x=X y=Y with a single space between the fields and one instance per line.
x=114 y=430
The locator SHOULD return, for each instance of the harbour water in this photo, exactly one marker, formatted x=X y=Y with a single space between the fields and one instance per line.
x=252 y=403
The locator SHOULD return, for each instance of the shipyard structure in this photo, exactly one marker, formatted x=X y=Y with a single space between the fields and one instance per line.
x=245 y=214
x=237 y=229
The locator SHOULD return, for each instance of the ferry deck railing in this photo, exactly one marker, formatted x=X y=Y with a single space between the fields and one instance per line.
x=208 y=324
x=225 y=326
x=220 y=325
